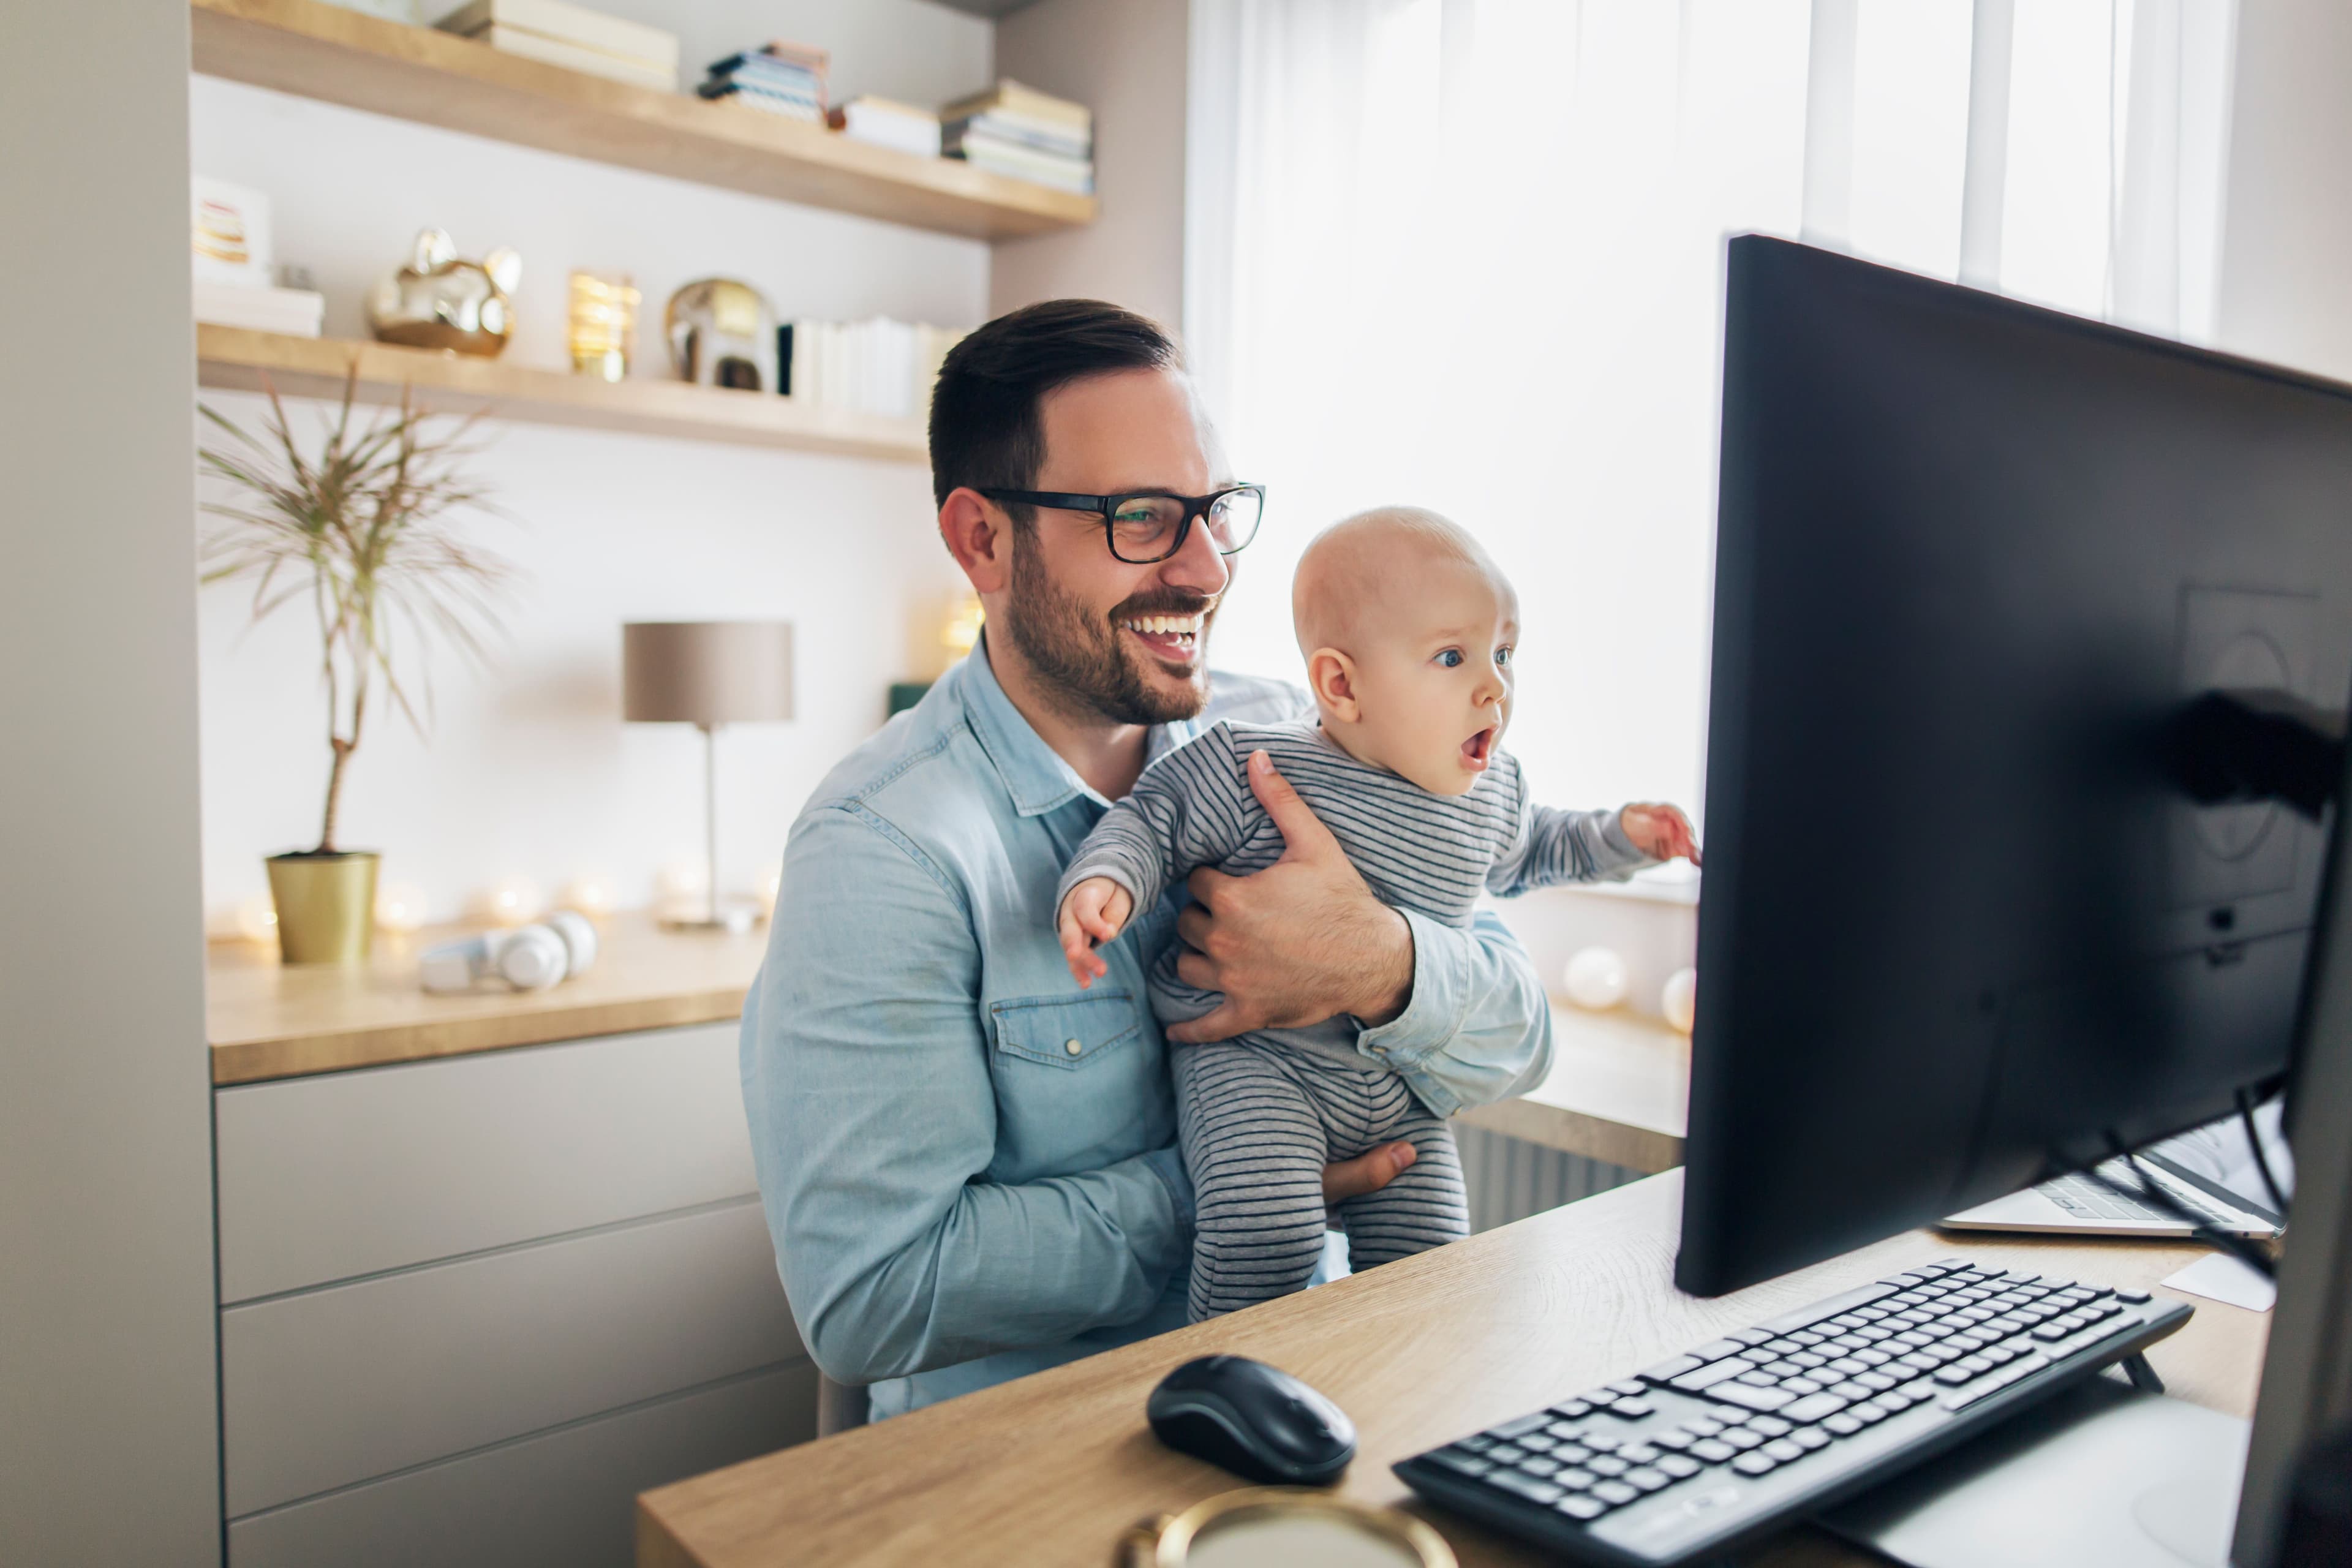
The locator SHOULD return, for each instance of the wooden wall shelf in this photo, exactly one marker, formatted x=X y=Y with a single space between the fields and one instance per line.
x=234 y=359
x=323 y=52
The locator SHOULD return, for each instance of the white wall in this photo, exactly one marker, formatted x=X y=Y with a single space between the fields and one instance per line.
x=2286 y=248
x=108 y=1426
x=1125 y=60
x=529 y=770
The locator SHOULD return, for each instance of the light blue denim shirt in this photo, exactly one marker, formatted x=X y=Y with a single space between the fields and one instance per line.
x=969 y=1164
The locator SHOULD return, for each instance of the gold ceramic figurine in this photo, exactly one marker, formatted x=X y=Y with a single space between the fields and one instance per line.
x=437 y=302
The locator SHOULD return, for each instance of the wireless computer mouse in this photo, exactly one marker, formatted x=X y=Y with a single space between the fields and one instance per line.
x=1253 y=1420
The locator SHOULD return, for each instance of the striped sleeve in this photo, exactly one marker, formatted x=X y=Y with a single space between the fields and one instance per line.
x=1555 y=846
x=1191 y=808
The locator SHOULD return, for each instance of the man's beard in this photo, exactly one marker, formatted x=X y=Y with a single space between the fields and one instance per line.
x=1085 y=667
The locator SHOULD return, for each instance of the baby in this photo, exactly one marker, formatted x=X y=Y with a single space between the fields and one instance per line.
x=1408 y=630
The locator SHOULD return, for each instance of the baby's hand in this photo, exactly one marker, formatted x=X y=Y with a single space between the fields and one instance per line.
x=1661 y=831
x=1095 y=913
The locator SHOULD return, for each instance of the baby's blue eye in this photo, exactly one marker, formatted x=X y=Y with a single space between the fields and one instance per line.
x=1502 y=655
x=1451 y=658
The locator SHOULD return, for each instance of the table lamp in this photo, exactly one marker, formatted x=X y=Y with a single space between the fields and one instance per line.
x=706 y=674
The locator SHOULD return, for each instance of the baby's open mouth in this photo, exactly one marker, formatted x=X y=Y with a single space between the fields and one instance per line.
x=1175 y=638
x=1478 y=749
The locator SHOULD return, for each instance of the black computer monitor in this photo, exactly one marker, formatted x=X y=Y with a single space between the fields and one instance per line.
x=1961 y=930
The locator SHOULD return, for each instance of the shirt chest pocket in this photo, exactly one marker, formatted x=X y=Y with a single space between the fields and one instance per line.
x=1066 y=1032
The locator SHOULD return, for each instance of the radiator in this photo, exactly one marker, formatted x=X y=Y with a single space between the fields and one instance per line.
x=1509 y=1179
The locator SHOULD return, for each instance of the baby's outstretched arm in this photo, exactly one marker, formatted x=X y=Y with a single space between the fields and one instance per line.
x=1093 y=914
x=1660 y=831
x=1555 y=846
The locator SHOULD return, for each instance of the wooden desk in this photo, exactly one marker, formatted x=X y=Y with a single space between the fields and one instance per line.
x=1049 y=1470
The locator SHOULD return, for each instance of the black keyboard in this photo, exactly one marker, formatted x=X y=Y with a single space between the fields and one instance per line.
x=1744 y=1436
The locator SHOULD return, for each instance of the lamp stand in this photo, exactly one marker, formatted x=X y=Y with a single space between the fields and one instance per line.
x=712 y=918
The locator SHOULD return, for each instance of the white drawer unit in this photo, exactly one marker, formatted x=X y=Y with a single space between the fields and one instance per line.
x=347 y=1174
x=565 y=1499
x=472 y=1305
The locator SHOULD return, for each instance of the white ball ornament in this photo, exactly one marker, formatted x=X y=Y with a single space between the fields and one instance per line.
x=1680 y=1000
x=1596 y=978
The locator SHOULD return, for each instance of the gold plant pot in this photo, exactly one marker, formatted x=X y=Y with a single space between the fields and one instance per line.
x=326 y=905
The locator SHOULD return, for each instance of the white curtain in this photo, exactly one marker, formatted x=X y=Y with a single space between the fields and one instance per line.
x=1467 y=254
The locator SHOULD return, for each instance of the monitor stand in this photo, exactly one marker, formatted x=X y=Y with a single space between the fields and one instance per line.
x=2104 y=1473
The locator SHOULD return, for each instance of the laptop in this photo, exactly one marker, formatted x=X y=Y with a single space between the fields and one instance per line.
x=2077 y=1204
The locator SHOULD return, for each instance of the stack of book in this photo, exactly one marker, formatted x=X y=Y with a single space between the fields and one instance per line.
x=879 y=366
x=229 y=233
x=571 y=36
x=887 y=125
x=1018 y=131
x=778 y=78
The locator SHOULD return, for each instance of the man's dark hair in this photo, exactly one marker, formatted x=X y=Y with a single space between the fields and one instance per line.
x=987 y=430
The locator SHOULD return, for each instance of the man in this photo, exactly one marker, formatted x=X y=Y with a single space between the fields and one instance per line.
x=968 y=1164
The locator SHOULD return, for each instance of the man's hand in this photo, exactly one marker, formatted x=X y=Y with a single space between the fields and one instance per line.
x=1367 y=1173
x=1298 y=942
x=1092 y=916
x=1661 y=831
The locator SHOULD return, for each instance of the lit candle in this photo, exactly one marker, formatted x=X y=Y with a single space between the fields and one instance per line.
x=400 y=906
x=515 y=901
x=257 y=919
x=592 y=896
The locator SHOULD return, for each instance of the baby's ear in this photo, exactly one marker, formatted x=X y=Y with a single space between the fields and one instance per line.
x=1331 y=676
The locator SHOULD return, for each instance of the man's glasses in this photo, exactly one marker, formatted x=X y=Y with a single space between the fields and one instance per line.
x=1152 y=526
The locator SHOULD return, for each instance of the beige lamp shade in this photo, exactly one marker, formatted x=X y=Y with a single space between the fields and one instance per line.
x=705 y=672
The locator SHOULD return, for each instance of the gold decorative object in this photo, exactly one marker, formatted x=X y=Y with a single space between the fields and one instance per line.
x=326 y=905
x=722 y=334
x=438 y=301
x=604 y=324
x=1277 y=1527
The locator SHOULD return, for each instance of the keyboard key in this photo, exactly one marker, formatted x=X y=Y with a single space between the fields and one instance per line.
x=1510 y=1429
x=1542 y=1467
x=1974 y=1365
x=1716 y=1350
x=1575 y=1480
x=1843 y=1423
x=1713 y=1450
x=1800 y=1386
x=1712 y=1373
x=1759 y=1377
x=1614 y=1493
x=1809 y=1438
x=1682 y=1466
x=1667 y=1371
x=1812 y=1407
x=1577 y=1506
x=1870 y=1413
x=1807 y=1359
x=1648 y=1479
x=1566 y=1431
x=1637 y=1453
x=1571 y=1453
x=1782 y=1450
x=1755 y=1464
x=1538 y=1442
x=1572 y=1410
x=1741 y=1439
x=1460 y=1463
x=1702 y=1426
x=1677 y=1441
x=1895 y=1399
x=1477 y=1445
x=1534 y=1491
x=2136 y=1298
x=1602 y=1442
x=1748 y=1336
x=1749 y=1398
x=1877 y=1381
x=1627 y=1389
x=1805 y=1337
x=1632 y=1409
x=1768 y=1426
x=1607 y=1464
x=1506 y=1453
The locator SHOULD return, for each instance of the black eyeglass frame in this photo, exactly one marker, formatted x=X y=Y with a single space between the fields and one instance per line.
x=1195 y=508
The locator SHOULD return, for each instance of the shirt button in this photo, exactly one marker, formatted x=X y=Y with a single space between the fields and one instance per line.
x=1073 y=1047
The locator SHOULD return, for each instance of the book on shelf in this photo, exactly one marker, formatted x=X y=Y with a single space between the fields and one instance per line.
x=887 y=125
x=1021 y=163
x=520 y=27
x=766 y=100
x=1004 y=126
x=877 y=366
x=1028 y=101
x=294 y=312
x=779 y=76
x=537 y=46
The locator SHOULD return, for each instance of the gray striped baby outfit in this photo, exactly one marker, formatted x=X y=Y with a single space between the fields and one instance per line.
x=1260 y=1115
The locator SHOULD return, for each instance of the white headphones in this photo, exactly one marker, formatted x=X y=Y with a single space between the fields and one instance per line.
x=528 y=958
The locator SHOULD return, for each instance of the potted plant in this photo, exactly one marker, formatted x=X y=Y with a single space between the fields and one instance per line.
x=360 y=535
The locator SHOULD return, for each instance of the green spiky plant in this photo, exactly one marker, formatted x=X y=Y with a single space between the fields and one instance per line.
x=360 y=532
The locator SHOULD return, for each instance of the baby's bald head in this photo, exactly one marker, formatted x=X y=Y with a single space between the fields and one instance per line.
x=1359 y=573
